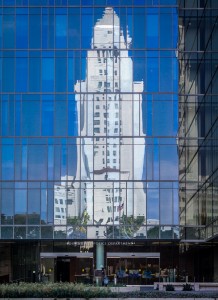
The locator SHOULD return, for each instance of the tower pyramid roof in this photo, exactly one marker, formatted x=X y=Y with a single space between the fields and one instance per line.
x=109 y=18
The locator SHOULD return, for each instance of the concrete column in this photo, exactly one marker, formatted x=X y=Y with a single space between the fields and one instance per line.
x=99 y=256
x=215 y=264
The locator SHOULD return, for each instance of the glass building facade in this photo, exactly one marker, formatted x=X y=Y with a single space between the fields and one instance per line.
x=89 y=123
x=198 y=46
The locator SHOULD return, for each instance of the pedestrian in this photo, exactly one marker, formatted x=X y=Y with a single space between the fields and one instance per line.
x=102 y=276
x=105 y=280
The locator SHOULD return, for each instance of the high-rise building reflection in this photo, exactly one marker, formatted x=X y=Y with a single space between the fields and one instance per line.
x=111 y=144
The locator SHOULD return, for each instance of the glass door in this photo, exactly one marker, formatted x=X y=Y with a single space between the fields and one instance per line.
x=136 y=269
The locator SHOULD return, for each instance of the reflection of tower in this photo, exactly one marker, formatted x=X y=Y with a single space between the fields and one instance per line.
x=64 y=201
x=111 y=151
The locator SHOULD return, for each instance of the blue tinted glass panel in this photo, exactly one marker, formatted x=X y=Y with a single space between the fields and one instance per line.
x=60 y=74
x=72 y=118
x=50 y=162
x=162 y=113
x=63 y=161
x=21 y=74
x=139 y=67
x=152 y=204
x=152 y=74
x=139 y=25
x=74 y=28
x=17 y=116
x=152 y=34
x=36 y=2
x=149 y=162
x=77 y=65
x=165 y=30
x=8 y=31
x=9 y=2
x=51 y=28
x=7 y=74
x=0 y=31
x=156 y=162
x=166 y=74
x=18 y=162
x=139 y=2
x=24 y=162
x=168 y=2
x=30 y=118
x=147 y=114
x=56 y=162
x=44 y=205
x=99 y=2
x=86 y=2
x=168 y=162
x=34 y=74
x=7 y=206
x=4 y=116
x=47 y=117
x=72 y=158
x=33 y=206
x=48 y=74
x=74 y=2
x=50 y=206
x=7 y=162
x=60 y=118
x=21 y=31
x=175 y=75
x=20 y=201
x=87 y=26
x=175 y=27
x=61 y=31
x=45 y=31
x=11 y=116
x=35 y=31
x=70 y=75
x=37 y=162
x=0 y=73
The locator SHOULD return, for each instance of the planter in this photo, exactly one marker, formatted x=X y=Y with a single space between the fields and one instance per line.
x=170 y=298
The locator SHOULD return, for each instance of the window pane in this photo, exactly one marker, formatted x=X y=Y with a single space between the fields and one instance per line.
x=37 y=162
x=21 y=31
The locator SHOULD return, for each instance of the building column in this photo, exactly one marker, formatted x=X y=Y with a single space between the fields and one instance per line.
x=99 y=256
x=215 y=264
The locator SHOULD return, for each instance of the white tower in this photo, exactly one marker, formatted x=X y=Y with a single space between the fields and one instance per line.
x=112 y=144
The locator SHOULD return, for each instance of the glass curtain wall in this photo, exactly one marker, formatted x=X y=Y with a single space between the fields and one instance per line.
x=89 y=117
x=198 y=119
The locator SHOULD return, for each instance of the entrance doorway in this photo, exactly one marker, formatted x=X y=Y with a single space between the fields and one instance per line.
x=134 y=268
x=128 y=268
x=63 y=269
x=67 y=267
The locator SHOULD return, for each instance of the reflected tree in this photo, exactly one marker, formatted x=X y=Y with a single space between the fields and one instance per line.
x=128 y=227
x=153 y=233
x=79 y=225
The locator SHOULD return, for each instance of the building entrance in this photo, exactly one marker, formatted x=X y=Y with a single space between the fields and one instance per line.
x=63 y=269
x=125 y=268
x=133 y=268
x=67 y=267
x=45 y=261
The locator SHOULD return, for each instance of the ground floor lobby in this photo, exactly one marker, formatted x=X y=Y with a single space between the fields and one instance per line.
x=136 y=262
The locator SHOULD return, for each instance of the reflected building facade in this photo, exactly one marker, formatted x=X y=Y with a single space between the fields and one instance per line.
x=111 y=152
x=89 y=152
x=198 y=163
